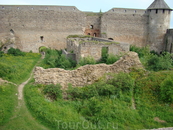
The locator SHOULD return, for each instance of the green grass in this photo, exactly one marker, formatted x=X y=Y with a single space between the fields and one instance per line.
x=17 y=68
x=105 y=107
x=8 y=100
x=14 y=114
x=22 y=119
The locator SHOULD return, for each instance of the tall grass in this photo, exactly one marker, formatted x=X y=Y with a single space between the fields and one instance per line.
x=105 y=104
x=17 y=68
x=8 y=100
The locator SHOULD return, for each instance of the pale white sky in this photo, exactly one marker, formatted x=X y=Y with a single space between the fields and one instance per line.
x=91 y=5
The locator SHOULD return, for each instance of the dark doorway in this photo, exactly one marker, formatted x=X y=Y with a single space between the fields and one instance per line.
x=95 y=35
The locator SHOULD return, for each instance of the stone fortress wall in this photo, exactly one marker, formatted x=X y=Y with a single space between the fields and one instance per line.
x=169 y=41
x=33 y=26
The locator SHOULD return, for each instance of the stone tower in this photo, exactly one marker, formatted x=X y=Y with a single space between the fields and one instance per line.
x=159 y=21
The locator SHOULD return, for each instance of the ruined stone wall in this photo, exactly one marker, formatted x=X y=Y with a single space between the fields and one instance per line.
x=95 y=49
x=87 y=74
x=126 y=25
x=30 y=23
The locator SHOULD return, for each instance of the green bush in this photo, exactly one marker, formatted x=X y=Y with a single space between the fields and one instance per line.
x=87 y=60
x=64 y=62
x=53 y=91
x=142 y=51
x=55 y=58
x=112 y=58
x=89 y=91
x=15 y=52
x=166 y=90
x=122 y=81
x=162 y=62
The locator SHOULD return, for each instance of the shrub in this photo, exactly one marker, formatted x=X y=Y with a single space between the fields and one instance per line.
x=104 y=55
x=141 y=51
x=15 y=52
x=87 y=60
x=53 y=91
x=122 y=81
x=162 y=62
x=112 y=59
x=166 y=88
x=55 y=58
x=64 y=62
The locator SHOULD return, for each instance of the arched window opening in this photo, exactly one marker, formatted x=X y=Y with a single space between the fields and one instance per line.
x=41 y=38
x=95 y=35
x=89 y=34
x=91 y=27
x=110 y=39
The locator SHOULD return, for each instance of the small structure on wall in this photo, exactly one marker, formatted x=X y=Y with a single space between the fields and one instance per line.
x=169 y=41
x=84 y=46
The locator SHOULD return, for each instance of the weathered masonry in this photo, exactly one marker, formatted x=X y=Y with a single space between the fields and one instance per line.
x=84 y=47
x=29 y=27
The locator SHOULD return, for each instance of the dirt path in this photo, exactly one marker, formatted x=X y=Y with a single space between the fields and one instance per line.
x=22 y=118
x=21 y=86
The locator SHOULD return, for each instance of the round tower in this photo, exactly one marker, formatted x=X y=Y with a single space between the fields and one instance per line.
x=158 y=23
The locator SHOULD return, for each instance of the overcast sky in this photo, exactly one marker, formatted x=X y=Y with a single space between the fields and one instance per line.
x=91 y=5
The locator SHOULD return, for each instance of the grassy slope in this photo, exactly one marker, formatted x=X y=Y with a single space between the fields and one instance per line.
x=15 y=114
x=18 y=68
x=106 y=112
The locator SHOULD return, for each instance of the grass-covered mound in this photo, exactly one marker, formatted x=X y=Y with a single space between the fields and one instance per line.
x=127 y=101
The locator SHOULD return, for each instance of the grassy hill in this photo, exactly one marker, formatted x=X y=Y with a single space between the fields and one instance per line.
x=141 y=99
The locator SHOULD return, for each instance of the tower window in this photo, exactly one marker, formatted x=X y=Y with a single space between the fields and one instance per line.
x=41 y=38
x=91 y=26
x=163 y=11
x=156 y=11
